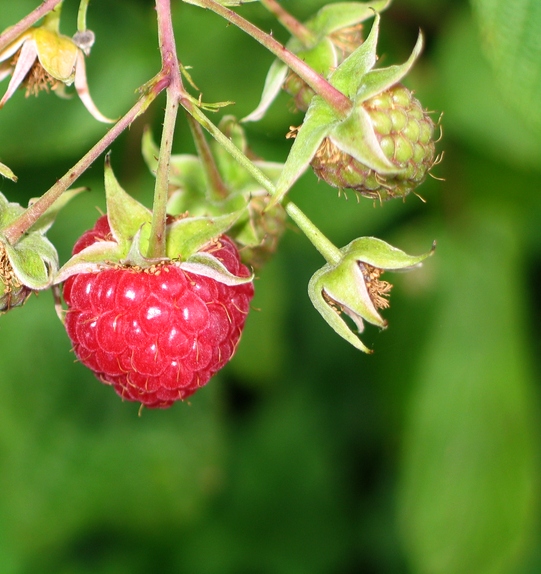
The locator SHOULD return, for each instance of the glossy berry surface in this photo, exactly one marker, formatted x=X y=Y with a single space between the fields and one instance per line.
x=156 y=335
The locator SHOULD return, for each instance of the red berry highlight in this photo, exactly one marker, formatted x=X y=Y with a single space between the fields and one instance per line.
x=159 y=334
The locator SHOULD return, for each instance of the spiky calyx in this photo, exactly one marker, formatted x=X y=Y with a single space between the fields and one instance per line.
x=404 y=131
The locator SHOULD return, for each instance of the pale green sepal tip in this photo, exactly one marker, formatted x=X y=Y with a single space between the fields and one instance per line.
x=34 y=261
x=125 y=214
x=273 y=83
x=382 y=255
x=315 y=292
x=7 y=172
x=356 y=137
x=349 y=74
x=207 y=265
x=187 y=236
x=333 y=17
x=8 y=211
x=91 y=260
x=377 y=81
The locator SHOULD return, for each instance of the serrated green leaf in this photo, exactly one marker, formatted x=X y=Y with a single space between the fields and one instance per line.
x=510 y=31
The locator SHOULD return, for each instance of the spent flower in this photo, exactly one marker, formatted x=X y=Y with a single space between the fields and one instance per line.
x=353 y=286
x=43 y=59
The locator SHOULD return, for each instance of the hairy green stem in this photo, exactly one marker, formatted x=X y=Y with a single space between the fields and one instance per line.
x=335 y=98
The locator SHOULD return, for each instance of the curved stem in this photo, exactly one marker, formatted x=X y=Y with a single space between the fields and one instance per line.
x=335 y=98
x=289 y=22
x=328 y=250
x=17 y=228
x=15 y=31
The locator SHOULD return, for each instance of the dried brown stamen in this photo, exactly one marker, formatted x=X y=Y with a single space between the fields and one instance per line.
x=379 y=291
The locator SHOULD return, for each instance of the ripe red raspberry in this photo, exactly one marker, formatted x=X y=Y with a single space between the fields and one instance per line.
x=158 y=334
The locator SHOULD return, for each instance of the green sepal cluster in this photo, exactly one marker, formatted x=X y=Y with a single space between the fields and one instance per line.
x=32 y=262
x=129 y=244
x=321 y=49
x=216 y=185
x=351 y=285
x=353 y=133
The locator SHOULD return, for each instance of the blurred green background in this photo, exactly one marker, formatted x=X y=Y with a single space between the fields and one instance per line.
x=303 y=455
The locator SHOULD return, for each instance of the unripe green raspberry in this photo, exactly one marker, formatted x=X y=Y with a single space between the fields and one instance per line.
x=404 y=131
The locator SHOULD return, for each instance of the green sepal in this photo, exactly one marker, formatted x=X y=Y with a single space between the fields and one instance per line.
x=377 y=81
x=187 y=236
x=34 y=261
x=125 y=214
x=348 y=76
x=355 y=136
x=342 y=287
x=317 y=124
x=91 y=259
x=207 y=265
